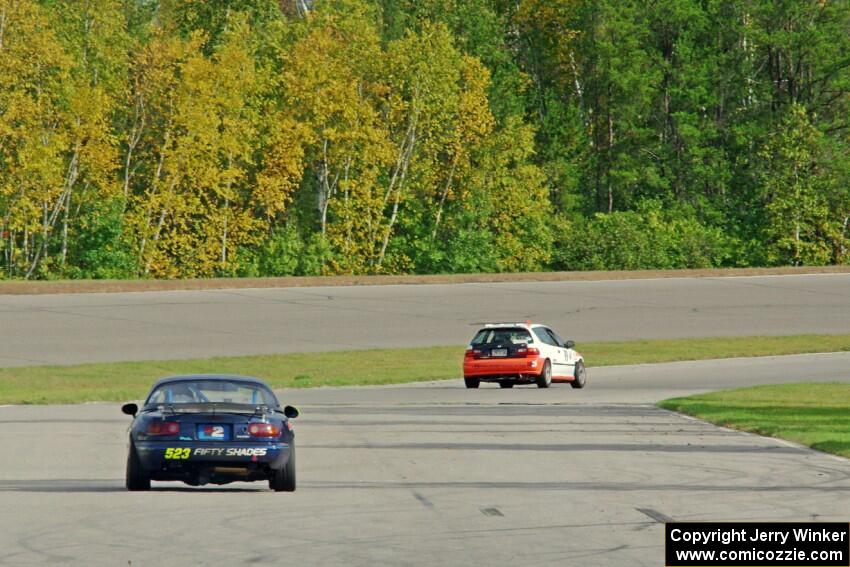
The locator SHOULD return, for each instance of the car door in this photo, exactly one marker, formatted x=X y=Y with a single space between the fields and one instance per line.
x=548 y=347
x=560 y=355
x=570 y=357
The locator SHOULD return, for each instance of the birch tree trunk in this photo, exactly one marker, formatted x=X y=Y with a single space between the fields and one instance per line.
x=443 y=197
x=397 y=182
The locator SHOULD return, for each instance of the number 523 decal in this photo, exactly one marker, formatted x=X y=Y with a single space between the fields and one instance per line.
x=177 y=453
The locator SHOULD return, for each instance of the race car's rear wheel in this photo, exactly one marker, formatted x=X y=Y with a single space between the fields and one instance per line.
x=581 y=376
x=283 y=479
x=545 y=378
x=471 y=382
x=505 y=384
x=137 y=477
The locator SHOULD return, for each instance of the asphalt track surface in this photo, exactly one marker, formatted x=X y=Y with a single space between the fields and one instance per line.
x=73 y=328
x=427 y=473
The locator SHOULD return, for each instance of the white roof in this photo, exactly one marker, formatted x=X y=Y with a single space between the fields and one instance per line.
x=526 y=324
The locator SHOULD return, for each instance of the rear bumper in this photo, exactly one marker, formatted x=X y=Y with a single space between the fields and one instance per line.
x=184 y=456
x=502 y=368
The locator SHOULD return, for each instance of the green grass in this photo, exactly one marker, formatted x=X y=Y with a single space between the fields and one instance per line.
x=131 y=380
x=649 y=351
x=817 y=415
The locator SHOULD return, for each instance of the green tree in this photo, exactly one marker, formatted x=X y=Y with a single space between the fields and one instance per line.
x=214 y=17
x=517 y=200
x=798 y=226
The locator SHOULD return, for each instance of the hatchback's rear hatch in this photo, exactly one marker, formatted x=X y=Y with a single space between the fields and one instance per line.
x=501 y=342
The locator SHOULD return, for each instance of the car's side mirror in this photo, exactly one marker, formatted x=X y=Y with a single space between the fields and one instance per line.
x=570 y=344
x=290 y=412
x=130 y=409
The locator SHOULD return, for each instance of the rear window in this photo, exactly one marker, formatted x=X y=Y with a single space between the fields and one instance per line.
x=211 y=391
x=515 y=335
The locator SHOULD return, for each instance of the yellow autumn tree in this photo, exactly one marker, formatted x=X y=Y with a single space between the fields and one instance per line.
x=438 y=113
x=94 y=34
x=194 y=210
x=34 y=70
x=331 y=94
x=58 y=147
x=377 y=133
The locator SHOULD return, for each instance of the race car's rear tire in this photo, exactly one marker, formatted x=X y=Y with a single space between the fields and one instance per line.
x=504 y=384
x=137 y=478
x=581 y=376
x=545 y=378
x=472 y=382
x=283 y=479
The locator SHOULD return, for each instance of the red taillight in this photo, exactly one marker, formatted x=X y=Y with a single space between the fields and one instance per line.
x=163 y=428
x=263 y=430
x=473 y=353
x=530 y=351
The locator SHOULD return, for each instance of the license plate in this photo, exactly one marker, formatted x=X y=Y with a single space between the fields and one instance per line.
x=213 y=432
x=499 y=352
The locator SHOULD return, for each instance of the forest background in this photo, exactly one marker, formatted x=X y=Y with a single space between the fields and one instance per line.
x=192 y=138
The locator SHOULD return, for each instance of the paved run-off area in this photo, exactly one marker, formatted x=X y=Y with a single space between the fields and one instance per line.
x=429 y=474
x=74 y=328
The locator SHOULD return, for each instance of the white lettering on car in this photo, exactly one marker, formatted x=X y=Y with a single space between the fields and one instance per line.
x=247 y=452
x=231 y=452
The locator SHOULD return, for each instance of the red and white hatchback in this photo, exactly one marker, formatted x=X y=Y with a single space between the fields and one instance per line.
x=522 y=353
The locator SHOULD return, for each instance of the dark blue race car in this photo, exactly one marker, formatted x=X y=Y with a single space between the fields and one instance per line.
x=211 y=429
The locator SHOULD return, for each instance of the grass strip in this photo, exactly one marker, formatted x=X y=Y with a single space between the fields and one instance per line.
x=130 y=380
x=812 y=414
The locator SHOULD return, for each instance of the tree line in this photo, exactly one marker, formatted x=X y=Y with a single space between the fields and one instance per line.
x=143 y=138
